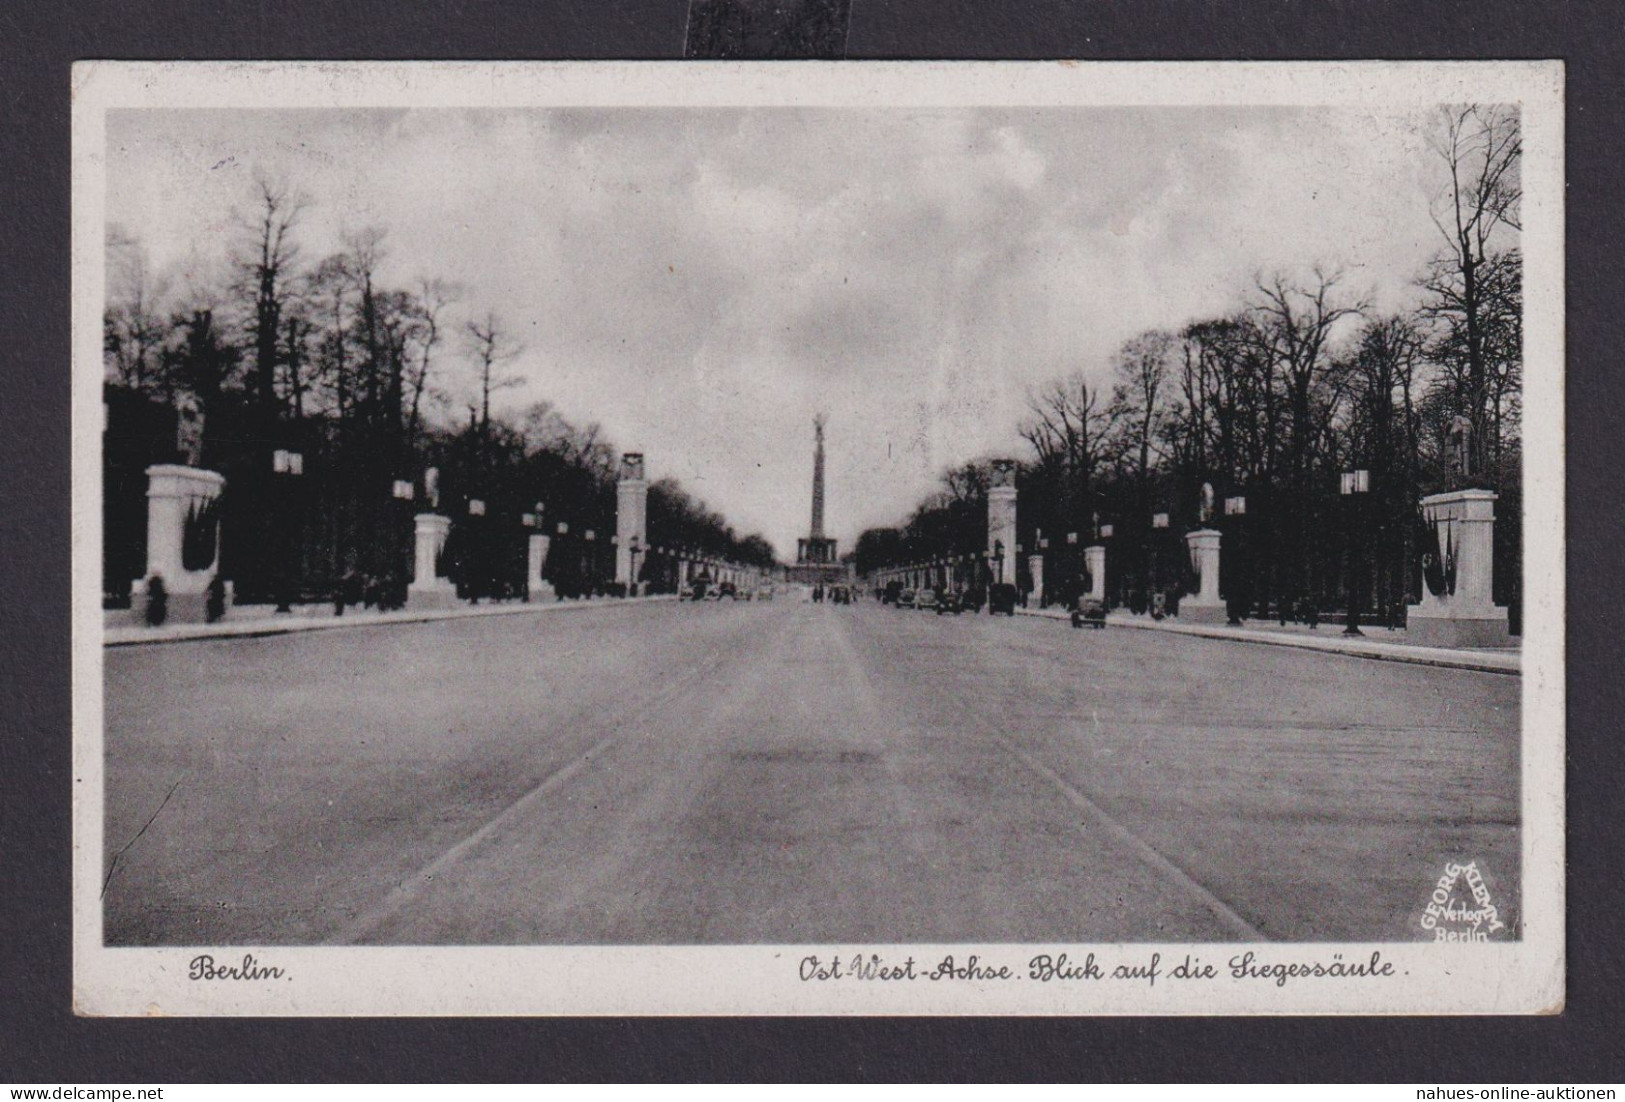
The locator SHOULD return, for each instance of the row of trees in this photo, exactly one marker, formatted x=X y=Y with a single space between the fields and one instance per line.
x=1271 y=402
x=372 y=385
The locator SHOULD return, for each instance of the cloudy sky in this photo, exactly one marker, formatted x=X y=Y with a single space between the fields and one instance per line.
x=701 y=281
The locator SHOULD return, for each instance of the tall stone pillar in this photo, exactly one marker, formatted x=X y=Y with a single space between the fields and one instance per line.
x=1094 y=561
x=631 y=517
x=175 y=493
x=1463 y=614
x=1001 y=518
x=1035 y=567
x=429 y=532
x=1204 y=606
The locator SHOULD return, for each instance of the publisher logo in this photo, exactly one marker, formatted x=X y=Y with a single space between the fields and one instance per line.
x=1460 y=907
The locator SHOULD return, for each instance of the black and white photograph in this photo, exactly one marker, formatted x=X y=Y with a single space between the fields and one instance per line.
x=932 y=538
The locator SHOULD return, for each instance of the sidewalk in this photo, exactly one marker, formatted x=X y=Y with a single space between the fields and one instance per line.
x=252 y=621
x=1381 y=644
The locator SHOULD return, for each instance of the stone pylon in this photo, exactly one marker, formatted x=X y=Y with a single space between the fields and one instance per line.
x=1035 y=568
x=1204 y=606
x=429 y=533
x=1094 y=561
x=174 y=494
x=631 y=519
x=1465 y=614
x=1001 y=519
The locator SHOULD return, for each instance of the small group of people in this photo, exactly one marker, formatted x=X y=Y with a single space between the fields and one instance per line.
x=835 y=594
x=386 y=593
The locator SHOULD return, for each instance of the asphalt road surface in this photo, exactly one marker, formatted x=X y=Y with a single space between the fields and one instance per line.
x=790 y=773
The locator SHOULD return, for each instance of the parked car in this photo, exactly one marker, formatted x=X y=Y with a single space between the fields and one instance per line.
x=949 y=601
x=926 y=600
x=893 y=590
x=905 y=598
x=1002 y=598
x=1089 y=611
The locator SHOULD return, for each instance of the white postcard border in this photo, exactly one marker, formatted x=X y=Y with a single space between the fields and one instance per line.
x=1498 y=978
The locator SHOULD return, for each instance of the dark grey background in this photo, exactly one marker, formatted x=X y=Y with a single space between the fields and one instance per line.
x=40 y=1040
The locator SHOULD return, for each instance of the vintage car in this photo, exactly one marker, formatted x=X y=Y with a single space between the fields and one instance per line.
x=905 y=598
x=1002 y=598
x=949 y=601
x=1089 y=611
x=926 y=599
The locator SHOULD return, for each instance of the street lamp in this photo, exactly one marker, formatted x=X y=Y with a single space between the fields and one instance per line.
x=476 y=554
x=588 y=537
x=1238 y=603
x=1355 y=485
x=393 y=594
x=290 y=464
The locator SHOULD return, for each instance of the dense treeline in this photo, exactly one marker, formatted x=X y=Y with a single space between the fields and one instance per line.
x=1271 y=403
x=386 y=399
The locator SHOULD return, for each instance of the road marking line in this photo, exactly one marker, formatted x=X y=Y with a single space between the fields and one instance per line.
x=687 y=680
x=1142 y=849
x=408 y=888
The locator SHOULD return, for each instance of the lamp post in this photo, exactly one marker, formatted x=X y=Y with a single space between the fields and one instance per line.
x=286 y=467
x=1074 y=571
x=1050 y=572
x=1355 y=485
x=531 y=521
x=1106 y=598
x=1236 y=508
x=565 y=580
x=478 y=553
x=1159 y=522
x=393 y=595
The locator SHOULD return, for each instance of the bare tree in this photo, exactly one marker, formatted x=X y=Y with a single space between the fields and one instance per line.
x=492 y=348
x=433 y=297
x=1072 y=432
x=263 y=265
x=1140 y=399
x=135 y=325
x=1482 y=148
x=1071 y=424
x=1295 y=327
x=380 y=381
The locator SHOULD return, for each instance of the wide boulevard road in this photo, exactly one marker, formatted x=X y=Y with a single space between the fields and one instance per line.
x=789 y=772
